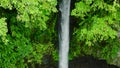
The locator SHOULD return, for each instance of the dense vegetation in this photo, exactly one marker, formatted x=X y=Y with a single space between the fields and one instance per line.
x=28 y=30
x=96 y=34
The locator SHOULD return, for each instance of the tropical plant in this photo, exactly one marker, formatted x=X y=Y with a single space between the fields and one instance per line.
x=25 y=34
x=96 y=34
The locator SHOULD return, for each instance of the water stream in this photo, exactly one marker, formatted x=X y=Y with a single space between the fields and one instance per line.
x=64 y=9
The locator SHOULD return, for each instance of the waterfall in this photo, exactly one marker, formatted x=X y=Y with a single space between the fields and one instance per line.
x=64 y=10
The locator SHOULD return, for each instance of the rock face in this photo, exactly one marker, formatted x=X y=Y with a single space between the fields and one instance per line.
x=89 y=62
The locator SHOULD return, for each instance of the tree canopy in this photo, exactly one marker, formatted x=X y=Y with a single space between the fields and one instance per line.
x=28 y=30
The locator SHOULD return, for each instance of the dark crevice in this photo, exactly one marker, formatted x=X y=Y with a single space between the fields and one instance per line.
x=9 y=14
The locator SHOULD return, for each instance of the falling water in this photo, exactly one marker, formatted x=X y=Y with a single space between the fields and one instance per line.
x=64 y=9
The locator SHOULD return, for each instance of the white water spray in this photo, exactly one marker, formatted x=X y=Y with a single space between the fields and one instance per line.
x=64 y=8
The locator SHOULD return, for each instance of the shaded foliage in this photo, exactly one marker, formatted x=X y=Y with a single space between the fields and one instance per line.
x=98 y=26
x=28 y=30
x=24 y=31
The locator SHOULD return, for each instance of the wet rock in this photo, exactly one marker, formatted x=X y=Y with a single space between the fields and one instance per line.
x=89 y=62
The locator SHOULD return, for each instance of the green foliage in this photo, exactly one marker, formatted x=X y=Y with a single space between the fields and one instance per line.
x=25 y=31
x=13 y=53
x=98 y=25
x=39 y=50
x=3 y=30
x=32 y=12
